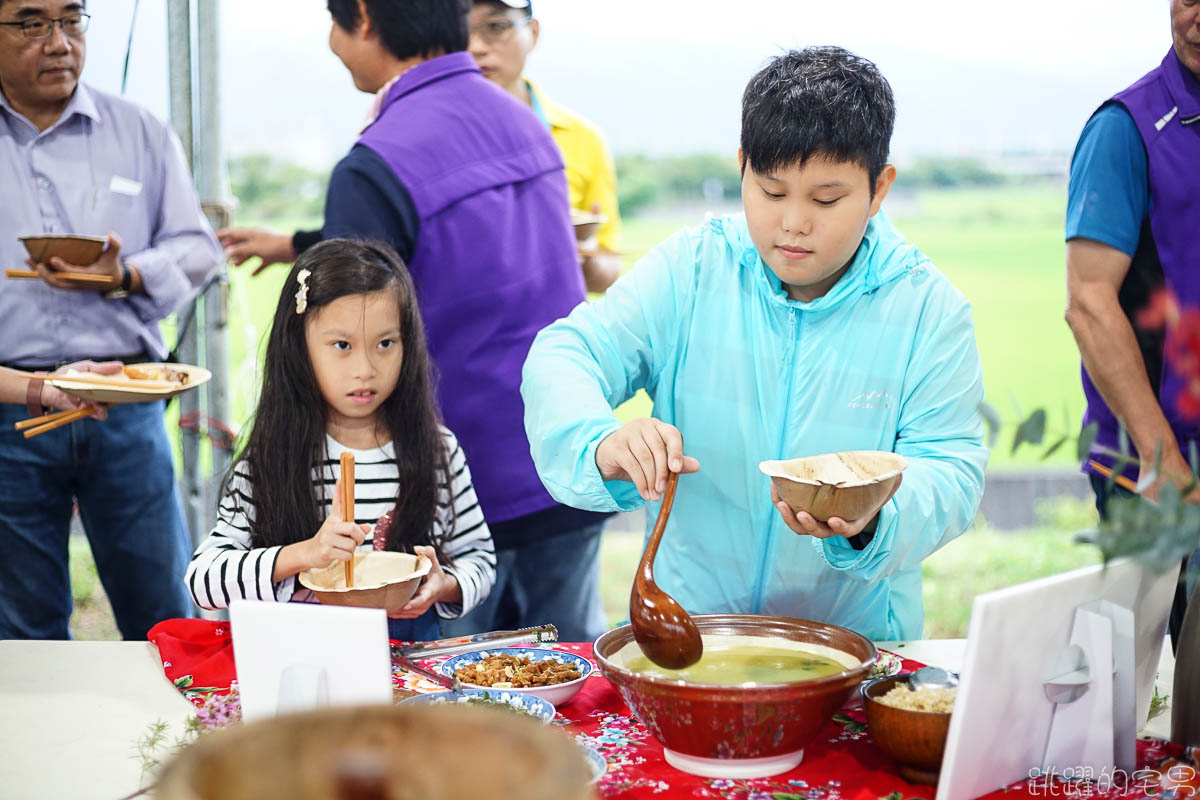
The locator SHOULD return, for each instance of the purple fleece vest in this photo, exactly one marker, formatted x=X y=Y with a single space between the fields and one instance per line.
x=1165 y=106
x=495 y=259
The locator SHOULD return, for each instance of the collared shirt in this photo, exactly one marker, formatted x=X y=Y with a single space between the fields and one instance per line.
x=591 y=176
x=105 y=166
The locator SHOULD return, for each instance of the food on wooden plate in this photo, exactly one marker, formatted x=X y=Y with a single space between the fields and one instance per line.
x=509 y=672
x=938 y=701
x=156 y=372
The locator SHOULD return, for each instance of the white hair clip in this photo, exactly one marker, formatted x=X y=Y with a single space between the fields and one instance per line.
x=302 y=292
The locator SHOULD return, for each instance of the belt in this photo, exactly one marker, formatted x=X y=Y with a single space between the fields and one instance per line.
x=135 y=358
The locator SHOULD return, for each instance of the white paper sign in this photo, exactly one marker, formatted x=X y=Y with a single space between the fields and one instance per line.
x=300 y=656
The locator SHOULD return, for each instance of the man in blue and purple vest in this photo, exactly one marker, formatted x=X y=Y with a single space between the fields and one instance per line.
x=1133 y=228
x=468 y=186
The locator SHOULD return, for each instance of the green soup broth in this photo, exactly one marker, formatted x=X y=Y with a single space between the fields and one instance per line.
x=738 y=664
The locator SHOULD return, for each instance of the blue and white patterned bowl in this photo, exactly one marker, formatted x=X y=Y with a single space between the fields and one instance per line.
x=533 y=706
x=556 y=695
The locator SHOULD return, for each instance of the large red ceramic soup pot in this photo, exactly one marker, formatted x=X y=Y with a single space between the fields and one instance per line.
x=743 y=730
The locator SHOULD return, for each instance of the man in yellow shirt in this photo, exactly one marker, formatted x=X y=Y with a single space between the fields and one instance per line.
x=503 y=34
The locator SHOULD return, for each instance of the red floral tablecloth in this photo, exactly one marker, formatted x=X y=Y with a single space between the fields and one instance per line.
x=843 y=763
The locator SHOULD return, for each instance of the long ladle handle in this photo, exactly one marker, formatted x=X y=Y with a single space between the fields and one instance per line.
x=660 y=525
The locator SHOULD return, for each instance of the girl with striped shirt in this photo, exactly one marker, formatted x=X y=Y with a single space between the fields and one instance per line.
x=347 y=370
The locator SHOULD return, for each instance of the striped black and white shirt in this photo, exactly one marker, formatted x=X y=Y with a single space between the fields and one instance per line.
x=225 y=567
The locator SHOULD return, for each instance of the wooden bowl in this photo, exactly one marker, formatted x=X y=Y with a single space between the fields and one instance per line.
x=77 y=250
x=586 y=225
x=849 y=485
x=382 y=579
x=401 y=752
x=916 y=740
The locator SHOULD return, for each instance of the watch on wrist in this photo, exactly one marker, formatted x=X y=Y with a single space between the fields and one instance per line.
x=121 y=291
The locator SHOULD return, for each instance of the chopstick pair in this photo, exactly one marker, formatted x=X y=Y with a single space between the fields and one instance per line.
x=82 y=277
x=1120 y=480
x=348 y=507
x=48 y=422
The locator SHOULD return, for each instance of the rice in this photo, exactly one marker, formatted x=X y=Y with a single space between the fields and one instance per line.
x=940 y=701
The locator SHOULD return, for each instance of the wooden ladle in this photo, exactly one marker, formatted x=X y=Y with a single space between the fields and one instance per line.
x=664 y=631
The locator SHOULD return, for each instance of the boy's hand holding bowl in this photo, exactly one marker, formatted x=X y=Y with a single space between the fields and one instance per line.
x=835 y=494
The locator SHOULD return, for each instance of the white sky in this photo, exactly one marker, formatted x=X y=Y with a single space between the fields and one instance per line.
x=661 y=76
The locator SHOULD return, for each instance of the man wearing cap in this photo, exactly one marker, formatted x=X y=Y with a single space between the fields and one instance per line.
x=503 y=34
x=1133 y=208
x=76 y=160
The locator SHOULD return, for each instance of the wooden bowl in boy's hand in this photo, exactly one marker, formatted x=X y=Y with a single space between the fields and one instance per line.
x=848 y=485
x=382 y=579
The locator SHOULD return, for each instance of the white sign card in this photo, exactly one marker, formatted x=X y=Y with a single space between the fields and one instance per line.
x=300 y=656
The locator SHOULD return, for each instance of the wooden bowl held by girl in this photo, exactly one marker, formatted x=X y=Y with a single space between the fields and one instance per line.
x=382 y=579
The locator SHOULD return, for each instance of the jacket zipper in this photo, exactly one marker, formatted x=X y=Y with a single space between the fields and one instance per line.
x=775 y=521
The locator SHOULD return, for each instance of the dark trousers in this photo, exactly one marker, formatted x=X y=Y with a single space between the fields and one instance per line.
x=554 y=580
x=1104 y=491
x=121 y=474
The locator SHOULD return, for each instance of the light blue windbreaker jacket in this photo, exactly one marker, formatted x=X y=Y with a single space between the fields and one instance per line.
x=885 y=361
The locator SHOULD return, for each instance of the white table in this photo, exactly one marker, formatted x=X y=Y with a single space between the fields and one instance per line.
x=71 y=713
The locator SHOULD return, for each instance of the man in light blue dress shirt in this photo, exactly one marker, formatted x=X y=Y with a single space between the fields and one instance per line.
x=77 y=160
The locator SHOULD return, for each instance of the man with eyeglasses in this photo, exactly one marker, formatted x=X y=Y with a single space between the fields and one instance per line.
x=503 y=34
x=77 y=160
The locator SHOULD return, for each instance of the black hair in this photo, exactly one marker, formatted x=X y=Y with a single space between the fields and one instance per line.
x=817 y=102
x=410 y=28
x=286 y=442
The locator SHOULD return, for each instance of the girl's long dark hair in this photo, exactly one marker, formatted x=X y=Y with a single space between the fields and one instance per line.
x=286 y=442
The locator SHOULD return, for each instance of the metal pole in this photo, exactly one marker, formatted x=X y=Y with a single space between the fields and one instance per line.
x=212 y=183
x=179 y=54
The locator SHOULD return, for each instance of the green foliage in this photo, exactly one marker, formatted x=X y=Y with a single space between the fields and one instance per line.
x=1157 y=534
x=268 y=189
x=947 y=173
x=643 y=181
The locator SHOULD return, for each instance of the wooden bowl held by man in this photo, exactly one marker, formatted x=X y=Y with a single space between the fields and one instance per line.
x=73 y=249
x=586 y=225
x=904 y=729
x=382 y=579
x=847 y=485
x=764 y=687
x=408 y=752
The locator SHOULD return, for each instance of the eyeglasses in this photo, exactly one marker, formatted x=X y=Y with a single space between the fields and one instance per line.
x=73 y=25
x=496 y=31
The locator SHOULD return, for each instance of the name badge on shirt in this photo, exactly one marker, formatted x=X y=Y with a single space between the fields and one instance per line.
x=126 y=186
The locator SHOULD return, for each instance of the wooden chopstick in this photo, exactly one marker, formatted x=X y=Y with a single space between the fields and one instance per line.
x=348 y=506
x=102 y=380
x=1120 y=480
x=65 y=419
x=82 y=277
x=42 y=420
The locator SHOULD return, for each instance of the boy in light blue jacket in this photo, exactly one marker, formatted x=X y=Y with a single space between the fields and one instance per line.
x=805 y=325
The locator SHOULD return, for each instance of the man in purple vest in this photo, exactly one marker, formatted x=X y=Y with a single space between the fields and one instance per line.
x=467 y=185
x=1133 y=227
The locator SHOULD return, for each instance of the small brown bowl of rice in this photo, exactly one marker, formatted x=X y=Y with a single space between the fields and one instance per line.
x=910 y=726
